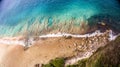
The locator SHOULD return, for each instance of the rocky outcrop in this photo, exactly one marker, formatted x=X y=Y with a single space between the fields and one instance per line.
x=107 y=56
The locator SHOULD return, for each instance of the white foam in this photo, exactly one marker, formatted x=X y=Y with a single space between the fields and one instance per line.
x=111 y=36
x=10 y=42
x=66 y=34
x=15 y=40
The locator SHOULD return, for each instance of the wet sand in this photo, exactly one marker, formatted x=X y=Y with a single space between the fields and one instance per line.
x=45 y=49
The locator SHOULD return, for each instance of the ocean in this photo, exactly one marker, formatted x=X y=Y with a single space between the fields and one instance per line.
x=21 y=16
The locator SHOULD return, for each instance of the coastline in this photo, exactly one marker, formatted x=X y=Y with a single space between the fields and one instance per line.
x=47 y=47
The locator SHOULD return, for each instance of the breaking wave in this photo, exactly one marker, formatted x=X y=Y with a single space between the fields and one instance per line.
x=21 y=40
x=41 y=16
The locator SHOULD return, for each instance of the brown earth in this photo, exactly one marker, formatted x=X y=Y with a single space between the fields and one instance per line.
x=45 y=49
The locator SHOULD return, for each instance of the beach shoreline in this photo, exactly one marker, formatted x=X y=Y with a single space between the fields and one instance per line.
x=47 y=47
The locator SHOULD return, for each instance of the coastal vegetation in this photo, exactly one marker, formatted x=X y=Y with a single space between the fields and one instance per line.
x=58 y=62
x=107 y=56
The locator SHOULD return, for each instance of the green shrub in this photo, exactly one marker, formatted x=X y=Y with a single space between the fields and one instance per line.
x=72 y=65
x=58 y=62
x=119 y=65
x=47 y=65
x=82 y=63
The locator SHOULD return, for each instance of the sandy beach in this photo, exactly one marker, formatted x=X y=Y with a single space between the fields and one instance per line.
x=44 y=49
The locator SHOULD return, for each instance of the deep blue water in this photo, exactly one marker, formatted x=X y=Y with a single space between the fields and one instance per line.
x=18 y=12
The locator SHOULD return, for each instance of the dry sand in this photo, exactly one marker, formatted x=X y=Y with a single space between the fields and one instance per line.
x=45 y=49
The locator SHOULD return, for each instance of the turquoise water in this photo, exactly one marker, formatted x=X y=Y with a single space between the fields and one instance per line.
x=14 y=14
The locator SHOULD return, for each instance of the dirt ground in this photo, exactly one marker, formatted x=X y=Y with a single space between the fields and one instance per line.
x=45 y=49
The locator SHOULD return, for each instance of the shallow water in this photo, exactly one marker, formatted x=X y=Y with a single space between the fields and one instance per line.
x=14 y=14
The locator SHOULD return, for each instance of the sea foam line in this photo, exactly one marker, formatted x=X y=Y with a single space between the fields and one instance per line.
x=73 y=35
x=15 y=40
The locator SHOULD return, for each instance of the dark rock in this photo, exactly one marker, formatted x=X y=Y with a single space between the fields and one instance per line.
x=67 y=37
x=104 y=22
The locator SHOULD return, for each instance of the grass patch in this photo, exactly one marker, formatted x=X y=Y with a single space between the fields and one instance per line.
x=80 y=63
x=58 y=62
